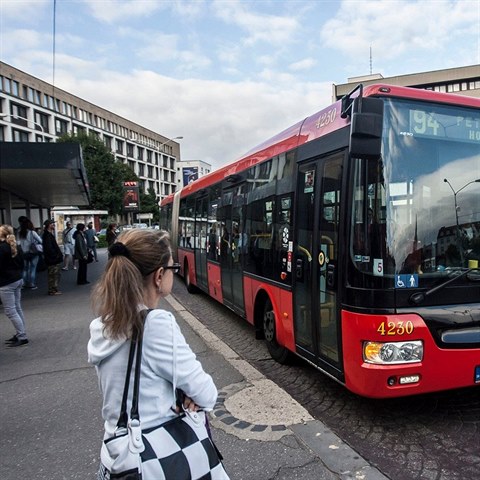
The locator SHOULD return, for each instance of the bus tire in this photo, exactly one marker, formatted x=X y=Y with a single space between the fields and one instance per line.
x=186 y=277
x=277 y=351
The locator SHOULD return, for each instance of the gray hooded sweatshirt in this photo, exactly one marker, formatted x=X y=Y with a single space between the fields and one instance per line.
x=156 y=395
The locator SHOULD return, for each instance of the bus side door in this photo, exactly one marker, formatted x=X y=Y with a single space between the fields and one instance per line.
x=231 y=246
x=315 y=260
x=200 y=242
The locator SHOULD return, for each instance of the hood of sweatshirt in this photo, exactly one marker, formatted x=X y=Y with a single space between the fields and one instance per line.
x=99 y=347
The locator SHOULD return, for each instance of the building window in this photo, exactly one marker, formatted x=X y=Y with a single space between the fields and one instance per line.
x=149 y=156
x=7 y=85
x=119 y=146
x=19 y=135
x=15 y=88
x=19 y=114
x=77 y=129
x=131 y=164
x=2 y=134
x=61 y=126
x=141 y=169
x=108 y=141
x=41 y=122
x=129 y=150
x=140 y=153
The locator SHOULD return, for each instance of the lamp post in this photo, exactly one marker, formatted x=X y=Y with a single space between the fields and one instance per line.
x=12 y=115
x=168 y=141
x=455 y=193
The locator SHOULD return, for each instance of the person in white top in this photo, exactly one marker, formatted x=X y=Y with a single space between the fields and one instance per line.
x=138 y=275
x=68 y=247
x=27 y=238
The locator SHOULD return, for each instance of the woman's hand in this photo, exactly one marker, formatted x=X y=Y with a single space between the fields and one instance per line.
x=185 y=403
x=189 y=404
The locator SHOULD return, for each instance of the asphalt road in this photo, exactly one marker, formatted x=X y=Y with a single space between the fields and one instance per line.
x=435 y=436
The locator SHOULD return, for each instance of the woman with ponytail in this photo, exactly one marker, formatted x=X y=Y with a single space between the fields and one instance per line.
x=138 y=275
x=11 y=272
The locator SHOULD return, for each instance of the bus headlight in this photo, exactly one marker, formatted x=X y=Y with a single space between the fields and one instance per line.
x=388 y=353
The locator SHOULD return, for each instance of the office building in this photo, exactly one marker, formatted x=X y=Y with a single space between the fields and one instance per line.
x=460 y=80
x=190 y=170
x=32 y=110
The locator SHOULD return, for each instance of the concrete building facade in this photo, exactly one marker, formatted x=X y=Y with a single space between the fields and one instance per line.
x=190 y=170
x=460 y=80
x=32 y=110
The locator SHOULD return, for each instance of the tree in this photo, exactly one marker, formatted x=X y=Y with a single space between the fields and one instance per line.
x=149 y=204
x=105 y=175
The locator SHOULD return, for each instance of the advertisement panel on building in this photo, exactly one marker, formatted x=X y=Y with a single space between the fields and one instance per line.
x=131 y=197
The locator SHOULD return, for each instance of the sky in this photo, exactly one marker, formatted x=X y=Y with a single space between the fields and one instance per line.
x=229 y=74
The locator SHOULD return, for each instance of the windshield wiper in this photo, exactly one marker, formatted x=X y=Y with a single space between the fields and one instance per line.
x=418 y=297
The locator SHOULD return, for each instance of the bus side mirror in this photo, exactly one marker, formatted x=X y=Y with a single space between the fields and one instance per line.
x=366 y=128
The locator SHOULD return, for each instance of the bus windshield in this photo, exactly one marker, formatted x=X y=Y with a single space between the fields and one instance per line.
x=417 y=209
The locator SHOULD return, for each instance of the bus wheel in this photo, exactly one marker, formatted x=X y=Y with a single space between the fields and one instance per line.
x=278 y=353
x=186 y=277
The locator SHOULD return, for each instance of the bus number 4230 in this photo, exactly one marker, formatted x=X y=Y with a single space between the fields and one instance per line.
x=395 y=328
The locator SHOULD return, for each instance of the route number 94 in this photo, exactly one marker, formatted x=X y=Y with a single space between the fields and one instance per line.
x=396 y=328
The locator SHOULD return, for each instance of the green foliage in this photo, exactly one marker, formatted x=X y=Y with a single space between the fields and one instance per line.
x=149 y=204
x=105 y=174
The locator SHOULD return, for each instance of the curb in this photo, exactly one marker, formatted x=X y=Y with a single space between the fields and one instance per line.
x=332 y=451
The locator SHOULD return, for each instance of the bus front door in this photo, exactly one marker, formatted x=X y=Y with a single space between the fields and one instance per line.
x=315 y=261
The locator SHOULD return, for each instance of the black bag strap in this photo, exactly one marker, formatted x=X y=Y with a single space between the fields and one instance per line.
x=135 y=344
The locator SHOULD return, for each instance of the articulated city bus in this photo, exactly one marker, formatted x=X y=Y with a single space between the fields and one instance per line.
x=351 y=239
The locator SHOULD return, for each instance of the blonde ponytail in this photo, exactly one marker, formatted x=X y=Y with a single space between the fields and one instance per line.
x=6 y=235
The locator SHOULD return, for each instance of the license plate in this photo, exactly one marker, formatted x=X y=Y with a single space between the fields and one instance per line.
x=477 y=374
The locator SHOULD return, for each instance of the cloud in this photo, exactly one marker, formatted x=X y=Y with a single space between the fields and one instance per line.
x=112 y=11
x=305 y=64
x=260 y=27
x=218 y=120
x=15 y=9
x=397 y=27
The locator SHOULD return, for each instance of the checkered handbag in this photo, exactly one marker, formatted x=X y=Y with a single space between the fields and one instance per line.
x=179 y=449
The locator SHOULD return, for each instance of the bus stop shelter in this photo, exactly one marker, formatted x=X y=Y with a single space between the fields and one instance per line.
x=41 y=176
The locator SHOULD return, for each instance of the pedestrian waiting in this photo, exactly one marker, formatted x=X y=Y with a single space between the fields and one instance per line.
x=138 y=275
x=53 y=257
x=31 y=245
x=91 y=237
x=11 y=271
x=81 y=254
x=68 y=247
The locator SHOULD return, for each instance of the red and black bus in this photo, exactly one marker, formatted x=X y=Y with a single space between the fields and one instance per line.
x=351 y=239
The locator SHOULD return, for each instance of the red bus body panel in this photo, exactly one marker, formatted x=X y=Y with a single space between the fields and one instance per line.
x=214 y=276
x=190 y=257
x=441 y=369
x=282 y=305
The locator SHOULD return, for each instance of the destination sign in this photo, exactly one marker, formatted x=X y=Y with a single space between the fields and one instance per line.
x=438 y=123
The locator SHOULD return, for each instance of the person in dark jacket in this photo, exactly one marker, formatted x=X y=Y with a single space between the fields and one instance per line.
x=111 y=234
x=81 y=254
x=53 y=257
x=11 y=281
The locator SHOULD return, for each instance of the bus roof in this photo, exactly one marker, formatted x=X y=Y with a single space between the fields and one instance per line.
x=317 y=125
